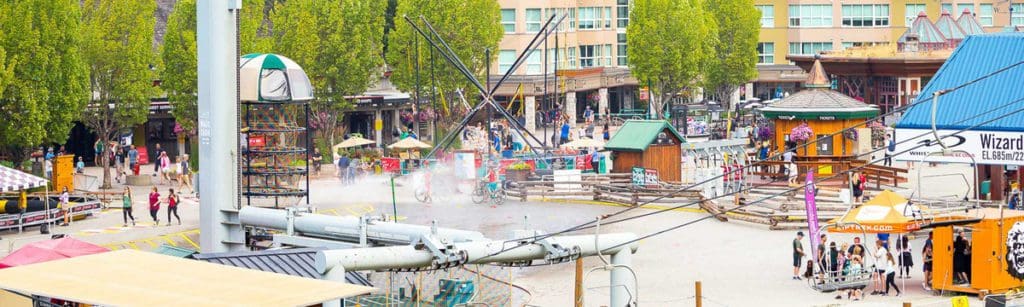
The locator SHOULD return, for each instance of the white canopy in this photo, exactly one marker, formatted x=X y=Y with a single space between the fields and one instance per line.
x=15 y=180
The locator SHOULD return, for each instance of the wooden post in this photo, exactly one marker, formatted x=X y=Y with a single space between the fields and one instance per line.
x=697 y=295
x=579 y=282
x=906 y=304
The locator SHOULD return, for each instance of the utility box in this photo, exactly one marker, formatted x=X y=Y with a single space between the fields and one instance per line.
x=454 y=292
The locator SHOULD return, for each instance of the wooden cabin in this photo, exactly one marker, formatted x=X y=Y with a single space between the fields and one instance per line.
x=651 y=144
x=996 y=252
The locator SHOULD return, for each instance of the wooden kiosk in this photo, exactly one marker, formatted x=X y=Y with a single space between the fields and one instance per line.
x=650 y=144
x=996 y=251
x=825 y=111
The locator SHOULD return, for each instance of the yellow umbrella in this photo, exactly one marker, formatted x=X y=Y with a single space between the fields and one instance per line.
x=887 y=212
x=584 y=143
x=352 y=142
x=409 y=143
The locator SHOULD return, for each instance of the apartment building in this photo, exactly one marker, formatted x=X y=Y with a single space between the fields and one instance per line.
x=805 y=27
x=591 y=58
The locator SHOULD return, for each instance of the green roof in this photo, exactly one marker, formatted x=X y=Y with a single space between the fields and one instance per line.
x=174 y=251
x=636 y=135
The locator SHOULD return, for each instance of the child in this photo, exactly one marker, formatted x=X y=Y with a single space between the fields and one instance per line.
x=80 y=165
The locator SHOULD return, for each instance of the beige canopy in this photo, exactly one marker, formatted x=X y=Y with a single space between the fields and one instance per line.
x=136 y=278
x=354 y=141
x=409 y=143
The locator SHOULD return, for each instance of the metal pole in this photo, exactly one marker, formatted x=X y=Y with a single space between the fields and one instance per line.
x=416 y=115
x=487 y=76
x=217 y=47
x=433 y=95
x=579 y=283
x=394 y=204
x=309 y=141
x=545 y=96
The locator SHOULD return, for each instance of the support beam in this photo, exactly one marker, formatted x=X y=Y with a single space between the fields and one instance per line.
x=570 y=108
x=217 y=46
x=530 y=113
x=623 y=282
x=347 y=228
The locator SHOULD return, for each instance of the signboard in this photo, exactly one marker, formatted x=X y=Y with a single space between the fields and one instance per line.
x=651 y=178
x=986 y=147
x=390 y=165
x=811 y=207
x=257 y=141
x=465 y=165
x=639 y=176
x=645 y=94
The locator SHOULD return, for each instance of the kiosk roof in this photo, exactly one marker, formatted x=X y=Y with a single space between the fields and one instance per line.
x=135 y=278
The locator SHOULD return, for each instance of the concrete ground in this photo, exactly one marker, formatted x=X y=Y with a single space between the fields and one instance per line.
x=739 y=264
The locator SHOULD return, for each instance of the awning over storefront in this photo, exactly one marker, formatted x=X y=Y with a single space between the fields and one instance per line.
x=136 y=278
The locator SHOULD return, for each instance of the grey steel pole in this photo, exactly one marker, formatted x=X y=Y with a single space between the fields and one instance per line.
x=487 y=76
x=218 y=122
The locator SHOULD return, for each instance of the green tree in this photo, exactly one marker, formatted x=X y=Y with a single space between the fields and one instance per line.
x=179 y=74
x=734 y=60
x=668 y=46
x=118 y=46
x=338 y=44
x=44 y=77
x=469 y=27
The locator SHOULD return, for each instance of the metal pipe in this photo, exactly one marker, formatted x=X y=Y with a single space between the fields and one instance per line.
x=348 y=228
x=407 y=256
x=974 y=165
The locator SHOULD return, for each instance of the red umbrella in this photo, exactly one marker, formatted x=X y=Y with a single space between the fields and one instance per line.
x=48 y=250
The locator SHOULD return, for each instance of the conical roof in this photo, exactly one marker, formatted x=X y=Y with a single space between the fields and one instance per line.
x=926 y=32
x=949 y=28
x=969 y=24
x=819 y=101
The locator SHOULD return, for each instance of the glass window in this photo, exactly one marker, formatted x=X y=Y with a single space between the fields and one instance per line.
x=608 y=55
x=765 y=53
x=533 y=63
x=960 y=7
x=1017 y=14
x=587 y=54
x=587 y=17
x=947 y=7
x=572 y=57
x=532 y=20
x=607 y=17
x=505 y=60
x=508 y=20
x=572 y=19
x=805 y=16
x=623 y=59
x=622 y=13
x=867 y=15
x=767 y=15
x=912 y=11
x=809 y=47
x=985 y=13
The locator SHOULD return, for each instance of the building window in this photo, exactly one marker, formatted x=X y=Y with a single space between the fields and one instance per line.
x=809 y=47
x=572 y=19
x=767 y=15
x=588 y=17
x=947 y=7
x=1017 y=14
x=589 y=54
x=912 y=11
x=533 y=63
x=807 y=16
x=572 y=58
x=505 y=60
x=765 y=53
x=622 y=14
x=532 y=20
x=607 y=17
x=985 y=14
x=960 y=7
x=508 y=20
x=607 y=55
x=867 y=15
x=623 y=59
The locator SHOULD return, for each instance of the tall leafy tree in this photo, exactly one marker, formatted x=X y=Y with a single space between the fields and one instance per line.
x=469 y=27
x=42 y=74
x=734 y=60
x=668 y=46
x=118 y=46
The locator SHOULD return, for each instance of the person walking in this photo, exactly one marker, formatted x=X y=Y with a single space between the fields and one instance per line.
x=926 y=258
x=185 y=174
x=343 y=164
x=564 y=135
x=154 y=206
x=791 y=170
x=595 y=160
x=119 y=163
x=65 y=206
x=606 y=133
x=906 y=260
x=133 y=160
x=165 y=167
x=890 y=274
x=890 y=150
x=172 y=206
x=880 y=267
x=126 y=207
x=156 y=161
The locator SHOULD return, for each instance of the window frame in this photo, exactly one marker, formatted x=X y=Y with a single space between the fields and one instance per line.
x=506 y=23
x=868 y=15
x=621 y=50
x=503 y=67
x=912 y=15
x=824 y=46
x=767 y=19
x=622 y=8
x=1017 y=15
x=533 y=23
x=823 y=17
x=765 y=58
x=944 y=6
x=990 y=16
x=587 y=18
x=588 y=56
x=534 y=63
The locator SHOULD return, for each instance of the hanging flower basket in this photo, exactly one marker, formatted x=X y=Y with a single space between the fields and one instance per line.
x=426 y=115
x=850 y=134
x=406 y=117
x=764 y=133
x=801 y=133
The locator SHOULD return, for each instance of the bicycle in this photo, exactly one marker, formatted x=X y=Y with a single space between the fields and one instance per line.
x=482 y=192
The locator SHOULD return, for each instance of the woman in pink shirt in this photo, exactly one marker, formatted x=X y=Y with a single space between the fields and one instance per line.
x=154 y=205
x=172 y=207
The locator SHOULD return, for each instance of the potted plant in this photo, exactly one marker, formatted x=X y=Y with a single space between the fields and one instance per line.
x=801 y=134
x=518 y=171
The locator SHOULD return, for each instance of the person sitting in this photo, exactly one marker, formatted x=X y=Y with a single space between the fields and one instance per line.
x=80 y=165
x=855 y=268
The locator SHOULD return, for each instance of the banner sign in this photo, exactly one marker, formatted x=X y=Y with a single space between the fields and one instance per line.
x=986 y=147
x=651 y=177
x=812 y=213
x=390 y=165
x=639 y=176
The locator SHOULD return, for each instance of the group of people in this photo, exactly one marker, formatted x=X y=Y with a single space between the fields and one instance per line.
x=155 y=201
x=837 y=263
x=349 y=169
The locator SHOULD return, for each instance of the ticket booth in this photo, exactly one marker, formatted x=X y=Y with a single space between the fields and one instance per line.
x=996 y=260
